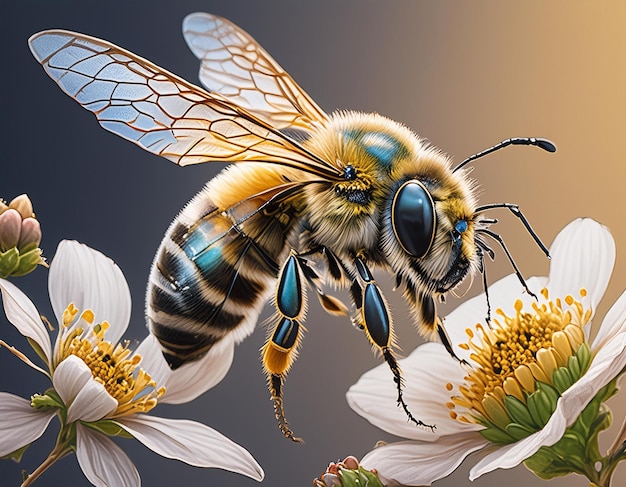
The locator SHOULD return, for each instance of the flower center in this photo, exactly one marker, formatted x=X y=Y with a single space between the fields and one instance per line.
x=111 y=364
x=521 y=367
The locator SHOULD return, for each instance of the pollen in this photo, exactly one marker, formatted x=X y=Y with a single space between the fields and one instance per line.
x=526 y=359
x=112 y=365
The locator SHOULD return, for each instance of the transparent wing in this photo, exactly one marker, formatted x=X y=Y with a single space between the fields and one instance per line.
x=236 y=66
x=161 y=112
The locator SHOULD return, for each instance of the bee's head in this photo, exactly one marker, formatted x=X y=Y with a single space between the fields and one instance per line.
x=429 y=232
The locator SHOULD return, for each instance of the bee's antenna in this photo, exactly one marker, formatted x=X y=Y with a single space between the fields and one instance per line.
x=544 y=144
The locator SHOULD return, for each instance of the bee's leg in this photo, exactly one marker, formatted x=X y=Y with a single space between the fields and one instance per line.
x=331 y=304
x=519 y=275
x=483 y=249
x=280 y=349
x=430 y=319
x=376 y=321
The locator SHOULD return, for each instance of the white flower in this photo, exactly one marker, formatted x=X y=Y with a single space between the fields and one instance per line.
x=470 y=405
x=98 y=387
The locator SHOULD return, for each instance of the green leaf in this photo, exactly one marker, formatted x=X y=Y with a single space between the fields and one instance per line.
x=109 y=427
x=38 y=350
x=17 y=455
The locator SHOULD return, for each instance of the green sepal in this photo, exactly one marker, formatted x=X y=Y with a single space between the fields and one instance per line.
x=27 y=263
x=518 y=431
x=583 y=354
x=9 y=261
x=16 y=455
x=109 y=428
x=574 y=367
x=519 y=412
x=359 y=478
x=49 y=400
x=562 y=379
x=546 y=397
x=494 y=434
x=535 y=403
x=371 y=479
x=545 y=466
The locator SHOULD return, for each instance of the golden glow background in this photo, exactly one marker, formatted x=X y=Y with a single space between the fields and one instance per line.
x=463 y=74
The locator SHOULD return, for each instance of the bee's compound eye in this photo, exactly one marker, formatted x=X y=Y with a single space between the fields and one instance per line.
x=413 y=218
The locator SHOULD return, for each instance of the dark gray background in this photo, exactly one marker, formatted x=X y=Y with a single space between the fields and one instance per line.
x=464 y=76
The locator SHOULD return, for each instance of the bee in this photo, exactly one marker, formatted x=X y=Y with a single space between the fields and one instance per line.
x=312 y=200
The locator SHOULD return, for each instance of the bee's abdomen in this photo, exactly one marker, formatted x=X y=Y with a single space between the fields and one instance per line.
x=211 y=278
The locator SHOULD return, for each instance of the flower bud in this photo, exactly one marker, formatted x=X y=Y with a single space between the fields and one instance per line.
x=347 y=474
x=23 y=205
x=20 y=235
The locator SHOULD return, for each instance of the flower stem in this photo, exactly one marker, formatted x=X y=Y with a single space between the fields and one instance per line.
x=61 y=449
x=56 y=454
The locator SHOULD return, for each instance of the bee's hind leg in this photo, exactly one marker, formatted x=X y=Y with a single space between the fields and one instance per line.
x=378 y=327
x=280 y=349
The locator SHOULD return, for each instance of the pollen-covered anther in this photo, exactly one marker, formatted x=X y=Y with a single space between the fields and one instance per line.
x=69 y=314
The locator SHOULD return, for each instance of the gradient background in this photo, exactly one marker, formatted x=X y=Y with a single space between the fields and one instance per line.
x=463 y=75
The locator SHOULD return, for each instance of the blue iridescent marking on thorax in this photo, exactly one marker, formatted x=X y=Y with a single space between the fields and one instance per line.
x=384 y=147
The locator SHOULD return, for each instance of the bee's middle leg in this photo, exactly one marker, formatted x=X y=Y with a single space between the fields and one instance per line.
x=375 y=320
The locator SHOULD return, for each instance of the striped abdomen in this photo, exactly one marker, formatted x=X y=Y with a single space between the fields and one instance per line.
x=213 y=272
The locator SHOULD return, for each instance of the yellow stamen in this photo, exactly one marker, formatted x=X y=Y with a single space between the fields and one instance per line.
x=111 y=365
x=517 y=352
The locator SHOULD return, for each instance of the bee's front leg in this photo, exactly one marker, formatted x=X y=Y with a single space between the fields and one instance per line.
x=378 y=326
x=280 y=349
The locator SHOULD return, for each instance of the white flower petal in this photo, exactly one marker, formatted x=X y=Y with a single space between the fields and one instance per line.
x=421 y=463
x=606 y=365
x=583 y=255
x=87 y=399
x=102 y=461
x=152 y=360
x=192 y=443
x=92 y=403
x=90 y=280
x=426 y=372
x=20 y=424
x=614 y=323
x=191 y=380
x=69 y=378
x=21 y=312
